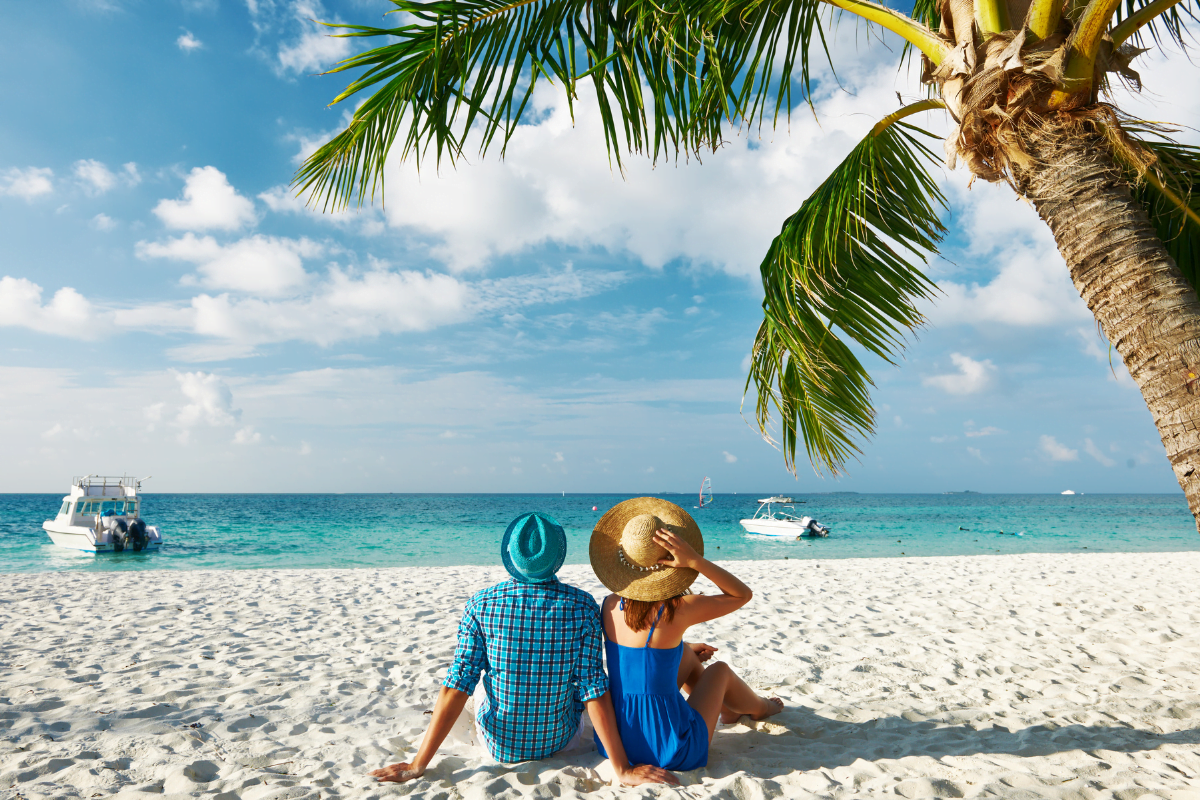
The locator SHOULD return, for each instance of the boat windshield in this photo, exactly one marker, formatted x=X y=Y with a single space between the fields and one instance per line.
x=89 y=508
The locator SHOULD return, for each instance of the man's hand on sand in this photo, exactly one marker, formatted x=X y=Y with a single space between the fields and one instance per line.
x=397 y=773
x=644 y=773
x=703 y=651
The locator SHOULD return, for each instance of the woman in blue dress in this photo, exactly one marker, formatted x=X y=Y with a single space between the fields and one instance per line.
x=648 y=552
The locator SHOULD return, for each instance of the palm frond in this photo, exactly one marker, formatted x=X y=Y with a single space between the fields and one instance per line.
x=840 y=262
x=1170 y=193
x=1159 y=19
x=928 y=14
x=669 y=76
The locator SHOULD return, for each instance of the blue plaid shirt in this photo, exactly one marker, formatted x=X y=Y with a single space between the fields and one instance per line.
x=539 y=647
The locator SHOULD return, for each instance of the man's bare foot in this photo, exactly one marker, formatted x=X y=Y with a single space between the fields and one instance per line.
x=772 y=706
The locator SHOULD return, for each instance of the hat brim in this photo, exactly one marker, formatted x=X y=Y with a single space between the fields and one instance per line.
x=628 y=581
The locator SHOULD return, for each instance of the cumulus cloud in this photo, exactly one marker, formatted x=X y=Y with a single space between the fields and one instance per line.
x=557 y=185
x=313 y=49
x=209 y=203
x=27 y=183
x=972 y=376
x=247 y=435
x=210 y=402
x=730 y=458
x=1031 y=286
x=95 y=177
x=264 y=265
x=1054 y=450
x=103 y=222
x=67 y=314
x=187 y=42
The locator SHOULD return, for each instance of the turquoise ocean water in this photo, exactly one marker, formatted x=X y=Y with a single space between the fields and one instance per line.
x=247 y=531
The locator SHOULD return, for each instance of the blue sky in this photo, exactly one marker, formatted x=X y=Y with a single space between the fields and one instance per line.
x=536 y=324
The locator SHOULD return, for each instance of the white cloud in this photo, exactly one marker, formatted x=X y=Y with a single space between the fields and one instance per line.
x=187 y=42
x=975 y=452
x=1056 y=451
x=972 y=376
x=1090 y=448
x=103 y=222
x=1031 y=286
x=557 y=185
x=26 y=183
x=67 y=314
x=558 y=457
x=209 y=202
x=264 y=265
x=730 y=458
x=943 y=439
x=989 y=430
x=315 y=49
x=210 y=402
x=95 y=177
x=247 y=435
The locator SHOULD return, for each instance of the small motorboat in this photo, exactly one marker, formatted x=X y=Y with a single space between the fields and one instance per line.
x=102 y=515
x=769 y=521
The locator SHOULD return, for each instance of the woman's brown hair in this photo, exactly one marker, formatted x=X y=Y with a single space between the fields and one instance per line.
x=640 y=614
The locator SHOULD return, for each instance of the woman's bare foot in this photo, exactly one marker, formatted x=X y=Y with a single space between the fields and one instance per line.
x=771 y=707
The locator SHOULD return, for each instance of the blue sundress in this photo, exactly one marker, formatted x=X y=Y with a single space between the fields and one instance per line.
x=657 y=725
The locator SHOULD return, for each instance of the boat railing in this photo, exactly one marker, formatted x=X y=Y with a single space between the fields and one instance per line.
x=102 y=482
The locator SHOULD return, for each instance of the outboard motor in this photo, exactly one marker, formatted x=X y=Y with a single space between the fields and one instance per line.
x=817 y=529
x=137 y=537
x=117 y=529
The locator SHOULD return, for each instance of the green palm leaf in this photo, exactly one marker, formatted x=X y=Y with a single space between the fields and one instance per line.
x=1170 y=193
x=668 y=76
x=1170 y=21
x=839 y=262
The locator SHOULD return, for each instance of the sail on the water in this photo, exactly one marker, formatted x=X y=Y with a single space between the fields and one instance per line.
x=706 y=496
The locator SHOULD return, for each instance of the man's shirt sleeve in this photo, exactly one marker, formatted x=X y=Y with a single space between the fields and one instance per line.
x=470 y=655
x=590 y=676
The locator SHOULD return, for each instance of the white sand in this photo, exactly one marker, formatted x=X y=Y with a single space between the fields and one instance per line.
x=1074 y=676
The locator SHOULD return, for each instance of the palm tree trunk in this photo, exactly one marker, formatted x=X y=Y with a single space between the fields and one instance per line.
x=1149 y=313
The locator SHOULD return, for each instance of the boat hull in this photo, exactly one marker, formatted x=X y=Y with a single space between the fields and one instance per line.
x=779 y=528
x=75 y=538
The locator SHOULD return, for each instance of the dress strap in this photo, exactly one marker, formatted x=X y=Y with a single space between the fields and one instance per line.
x=652 y=627
x=622 y=603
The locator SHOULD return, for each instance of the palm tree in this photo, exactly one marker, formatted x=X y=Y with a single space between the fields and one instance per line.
x=1020 y=80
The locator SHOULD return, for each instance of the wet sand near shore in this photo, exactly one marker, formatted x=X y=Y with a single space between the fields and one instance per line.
x=1063 y=676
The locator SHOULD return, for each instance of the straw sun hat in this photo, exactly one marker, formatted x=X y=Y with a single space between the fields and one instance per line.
x=625 y=556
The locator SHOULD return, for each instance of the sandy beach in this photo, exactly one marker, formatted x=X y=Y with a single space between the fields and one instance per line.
x=1073 y=676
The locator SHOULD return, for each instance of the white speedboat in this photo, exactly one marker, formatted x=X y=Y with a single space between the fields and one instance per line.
x=102 y=515
x=770 y=521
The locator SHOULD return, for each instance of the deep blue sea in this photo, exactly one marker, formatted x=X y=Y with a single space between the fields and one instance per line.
x=255 y=531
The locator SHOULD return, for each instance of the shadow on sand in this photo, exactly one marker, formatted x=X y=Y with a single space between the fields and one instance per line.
x=809 y=742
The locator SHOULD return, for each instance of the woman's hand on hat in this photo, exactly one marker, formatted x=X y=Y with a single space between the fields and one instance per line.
x=703 y=651
x=682 y=553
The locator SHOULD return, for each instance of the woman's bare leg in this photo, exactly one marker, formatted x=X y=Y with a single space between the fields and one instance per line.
x=720 y=691
x=690 y=670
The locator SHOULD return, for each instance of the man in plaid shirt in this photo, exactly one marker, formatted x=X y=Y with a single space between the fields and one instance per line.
x=538 y=645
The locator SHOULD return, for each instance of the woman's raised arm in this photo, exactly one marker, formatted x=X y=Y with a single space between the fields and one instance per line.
x=697 y=609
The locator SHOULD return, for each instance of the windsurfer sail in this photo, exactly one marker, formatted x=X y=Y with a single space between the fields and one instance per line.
x=706 y=497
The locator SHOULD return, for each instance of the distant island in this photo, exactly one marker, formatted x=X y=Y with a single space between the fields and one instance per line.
x=965 y=491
